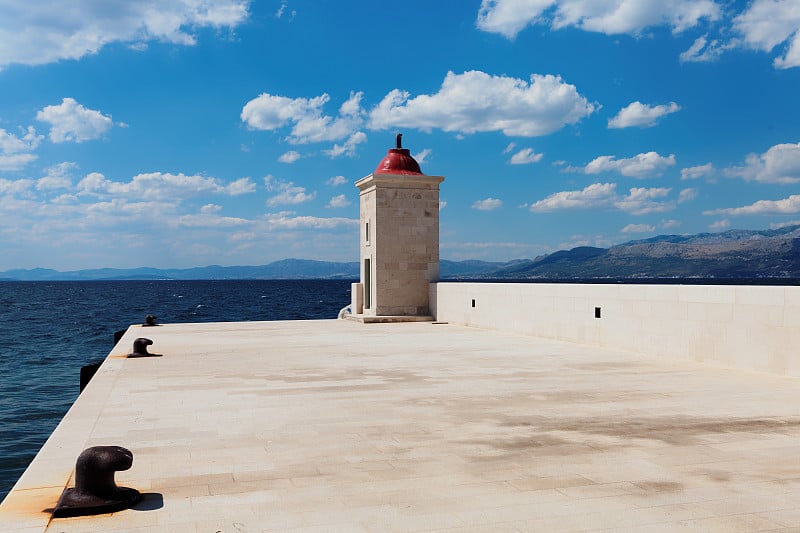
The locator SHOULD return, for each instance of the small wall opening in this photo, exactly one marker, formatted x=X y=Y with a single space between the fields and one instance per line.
x=473 y=302
x=597 y=312
x=367 y=284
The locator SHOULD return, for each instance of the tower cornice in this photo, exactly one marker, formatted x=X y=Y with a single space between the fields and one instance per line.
x=399 y=181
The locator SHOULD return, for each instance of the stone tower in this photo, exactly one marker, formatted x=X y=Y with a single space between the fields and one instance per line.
x=399 y=240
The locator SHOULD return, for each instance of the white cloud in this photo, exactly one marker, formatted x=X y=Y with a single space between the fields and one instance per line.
x=765 y=24
x=70 y=121
x=287 y=220
x=592 y=196
x=175 y=223
x=162 y=186
x=335 y=181
x=482 y=245
x=785 y=206
x=289 y=157
x=308 y=123
x=270 y=112
x=51 y=30
x=12 y=144
x=639 y=166
x=238 y=187
x=65 y=199
x=13 y=187
x=720 y=224
x=575 y=241
x=509 y=17
x=478 y=102
x=487 y=204
x=510 y=148
x=57 y=177
x=287 y=192
x=210 y=220
x=16 y=161
x=637 y=114
x=686 y=195
x=348 y=148
x=641 y=200
x=14 y=150
x=693 y=173
x=338 y=201
x=638 y=228
x=209 y=209
x=422 y=156
x=670 y=223
x=442 y=204
x=778 y=225
x=317 y=127
x=525 y=156
x=792 y=56
x=779 y=164
x=282 y=10
x=704 y=50
x=638 y=201
x=94 y=182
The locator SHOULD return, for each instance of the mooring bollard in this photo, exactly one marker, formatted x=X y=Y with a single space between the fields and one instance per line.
x=95 y=490
x=140 y=348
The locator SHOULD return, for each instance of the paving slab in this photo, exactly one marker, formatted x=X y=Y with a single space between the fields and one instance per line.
x=335 y=425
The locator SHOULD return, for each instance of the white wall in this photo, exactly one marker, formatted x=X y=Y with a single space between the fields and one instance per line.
x=750 y=327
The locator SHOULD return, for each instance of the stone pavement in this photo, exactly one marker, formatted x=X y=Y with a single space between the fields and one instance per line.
x=340 y=426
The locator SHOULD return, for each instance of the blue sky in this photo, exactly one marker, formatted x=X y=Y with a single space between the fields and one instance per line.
x=195 y=132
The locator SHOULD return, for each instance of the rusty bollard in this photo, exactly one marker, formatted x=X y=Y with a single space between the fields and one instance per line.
x=95 y=490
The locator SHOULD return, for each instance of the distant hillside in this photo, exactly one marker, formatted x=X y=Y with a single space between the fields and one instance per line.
x=470 y=268
x=731 y=254
x=284 y=269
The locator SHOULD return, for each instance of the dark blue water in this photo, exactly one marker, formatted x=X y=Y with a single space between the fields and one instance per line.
x=49 y=330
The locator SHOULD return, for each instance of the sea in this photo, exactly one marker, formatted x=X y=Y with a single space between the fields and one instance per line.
x=49 y=330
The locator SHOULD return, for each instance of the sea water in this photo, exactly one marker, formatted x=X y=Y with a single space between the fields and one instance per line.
x=49 y=330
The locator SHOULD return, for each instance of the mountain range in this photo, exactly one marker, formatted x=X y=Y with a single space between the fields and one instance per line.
x=733 y=254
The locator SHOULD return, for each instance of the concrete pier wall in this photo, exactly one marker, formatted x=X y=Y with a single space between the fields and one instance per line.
x=749 y=327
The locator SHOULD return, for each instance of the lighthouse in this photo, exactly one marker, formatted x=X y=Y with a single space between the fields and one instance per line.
x=399 y=240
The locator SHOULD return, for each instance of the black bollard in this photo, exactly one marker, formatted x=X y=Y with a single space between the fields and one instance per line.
x=140 y=348
x=95 y=490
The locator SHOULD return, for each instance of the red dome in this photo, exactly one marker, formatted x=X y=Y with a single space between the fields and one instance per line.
x=398 y=161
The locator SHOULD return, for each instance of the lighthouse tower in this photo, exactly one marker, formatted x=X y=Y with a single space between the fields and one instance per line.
x=399 y=240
